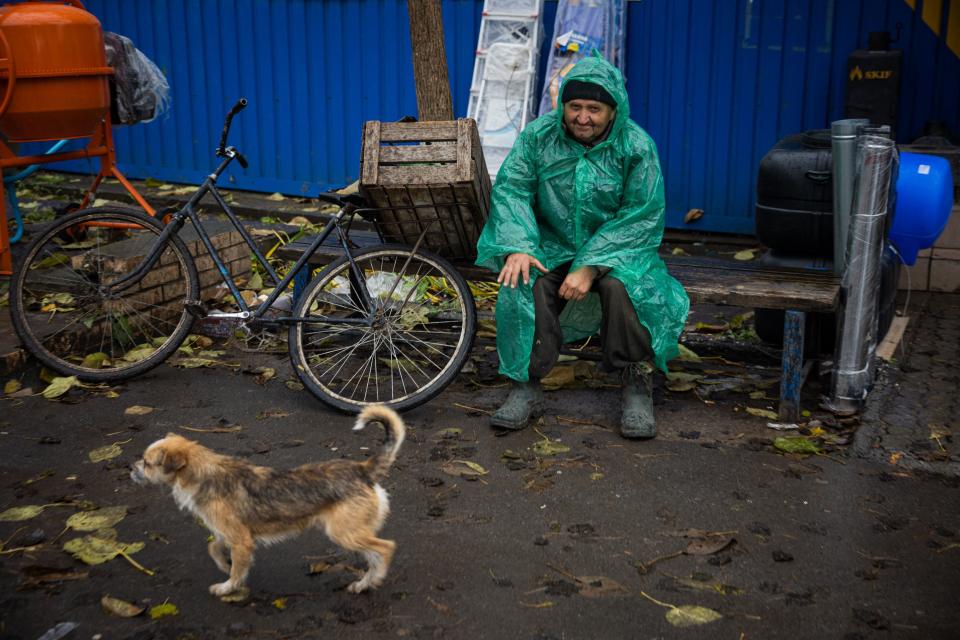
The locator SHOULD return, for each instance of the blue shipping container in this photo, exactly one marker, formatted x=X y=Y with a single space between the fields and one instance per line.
x=715 y=82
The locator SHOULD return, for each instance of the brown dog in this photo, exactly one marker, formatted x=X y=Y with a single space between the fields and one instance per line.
x=243 y=504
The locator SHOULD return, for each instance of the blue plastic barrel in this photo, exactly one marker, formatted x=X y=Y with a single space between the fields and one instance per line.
x=924 y=200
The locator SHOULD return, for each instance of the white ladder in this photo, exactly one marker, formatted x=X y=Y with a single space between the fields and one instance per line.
x=505 y=75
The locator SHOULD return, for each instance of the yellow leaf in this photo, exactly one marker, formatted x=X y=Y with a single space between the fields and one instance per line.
x=16 y=514
x=12 y=386
x=687 y=355
x=59 y=386
x=547 y=447
x=762 y=413
x=105 y=453
x=276 y=197
x=689 y=615
x=118 y=607
x=137 y=410
x=280 y=603
x=463 y=468
x=746 y=254
x=163 y=610
x=95 y=360
x=98 y=519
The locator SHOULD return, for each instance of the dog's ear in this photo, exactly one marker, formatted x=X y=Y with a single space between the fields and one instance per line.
x=173 y=461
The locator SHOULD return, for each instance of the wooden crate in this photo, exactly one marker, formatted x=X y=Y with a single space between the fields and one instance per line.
x=427 y=175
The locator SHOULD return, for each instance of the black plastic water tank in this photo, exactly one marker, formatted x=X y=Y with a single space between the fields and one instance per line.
x=795 y=195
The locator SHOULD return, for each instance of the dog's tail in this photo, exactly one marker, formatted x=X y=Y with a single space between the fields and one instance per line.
x=395 y=433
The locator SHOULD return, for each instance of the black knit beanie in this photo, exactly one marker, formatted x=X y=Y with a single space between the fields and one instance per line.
x=580 y=90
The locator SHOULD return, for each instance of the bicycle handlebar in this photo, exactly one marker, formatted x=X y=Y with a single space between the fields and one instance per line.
x=237 y=108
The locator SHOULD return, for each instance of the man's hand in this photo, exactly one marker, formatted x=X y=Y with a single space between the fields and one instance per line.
x=518 y=264
x=577 y=283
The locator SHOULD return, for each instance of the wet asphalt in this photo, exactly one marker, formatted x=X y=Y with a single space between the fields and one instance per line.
x=601 y=541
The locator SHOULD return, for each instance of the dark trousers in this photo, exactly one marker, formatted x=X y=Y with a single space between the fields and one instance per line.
x=624 y=339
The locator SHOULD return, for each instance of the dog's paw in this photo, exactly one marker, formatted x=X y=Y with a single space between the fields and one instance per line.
x=222 y=588
x=358 y=587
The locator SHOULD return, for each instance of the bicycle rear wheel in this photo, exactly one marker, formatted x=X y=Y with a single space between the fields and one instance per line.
x=66 y=316
x=418 y=339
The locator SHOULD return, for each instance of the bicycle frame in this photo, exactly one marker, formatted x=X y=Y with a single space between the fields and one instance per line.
x=188 y=211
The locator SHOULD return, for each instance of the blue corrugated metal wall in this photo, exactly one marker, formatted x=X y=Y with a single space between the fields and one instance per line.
x=716 y=83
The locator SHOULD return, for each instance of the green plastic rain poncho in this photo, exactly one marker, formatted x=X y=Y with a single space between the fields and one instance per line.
x=559 y=201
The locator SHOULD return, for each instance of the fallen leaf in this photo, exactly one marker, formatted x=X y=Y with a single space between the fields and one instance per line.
x=546 y=604
x=599 y=586
x=121 y=608
x=93 y=549
x=547 y=447
x=137 y=410
x=17 y=514
x=687 y=355
x=746 y=254
x=280 y=603
x=677 y=251
x=293 y=385
x=763 y=413
x=689 y=615
x=463 y=469
x=264 y=374
x=139 y=352
x=105 y=453
x=680 y=385
x=560 y=376
x=163 y=610
x=796 y=444
x=276 y=197
x=194 y=363
x=692 y=215
x=95 y=360
x=12 y=386
x=35 y=576
x=708 y=545
x=451 y=432
x=102 y=518
x=272 y=413
x=227 y=429
x=683 y=376
x=59 y=386
x=256 y=282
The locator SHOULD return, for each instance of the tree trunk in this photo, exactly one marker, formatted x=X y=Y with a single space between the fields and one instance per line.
x=429 y=60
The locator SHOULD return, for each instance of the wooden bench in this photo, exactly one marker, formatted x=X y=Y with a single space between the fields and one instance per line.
x=707 y=281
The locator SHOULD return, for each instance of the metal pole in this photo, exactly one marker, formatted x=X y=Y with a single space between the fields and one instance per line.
x=843 y=135
x=860 y=285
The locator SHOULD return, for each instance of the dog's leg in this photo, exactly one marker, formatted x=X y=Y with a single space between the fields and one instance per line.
x=218 y=551
x=377 y=551
x=241 y=557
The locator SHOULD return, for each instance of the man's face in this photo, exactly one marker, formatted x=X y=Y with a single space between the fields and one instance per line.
x=586 y=120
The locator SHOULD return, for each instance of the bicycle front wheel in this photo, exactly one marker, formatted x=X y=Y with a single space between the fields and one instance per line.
x=418 y=337
x=68 y=317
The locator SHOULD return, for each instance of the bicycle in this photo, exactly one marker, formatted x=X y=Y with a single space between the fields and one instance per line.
x=105 y=294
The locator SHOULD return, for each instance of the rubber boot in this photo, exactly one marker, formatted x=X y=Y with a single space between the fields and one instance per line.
x=637 y=421
x=524 y=402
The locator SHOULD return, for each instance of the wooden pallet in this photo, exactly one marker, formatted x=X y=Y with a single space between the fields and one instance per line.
x=427 y=177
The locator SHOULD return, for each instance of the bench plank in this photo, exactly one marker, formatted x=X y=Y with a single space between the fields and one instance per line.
x=706 y=281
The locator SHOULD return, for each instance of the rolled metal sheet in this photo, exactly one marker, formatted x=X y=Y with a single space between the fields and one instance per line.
x=875 y=161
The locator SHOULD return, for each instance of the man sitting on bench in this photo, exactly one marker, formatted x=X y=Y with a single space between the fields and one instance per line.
x=580 y=199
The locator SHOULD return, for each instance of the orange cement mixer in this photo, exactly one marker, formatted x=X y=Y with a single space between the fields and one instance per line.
x=54 y=85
